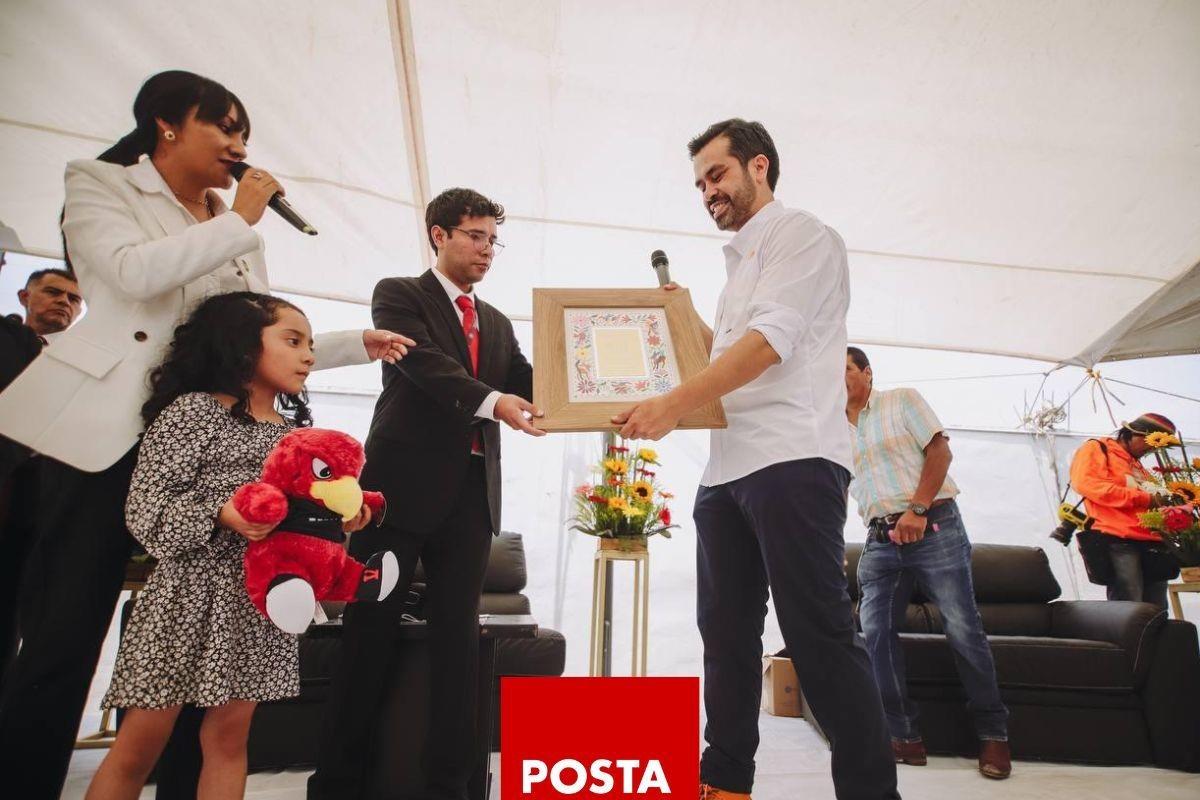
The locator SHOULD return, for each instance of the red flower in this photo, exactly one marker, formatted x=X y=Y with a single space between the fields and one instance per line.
x=646 y=472
x=1176 y=518
x=665 y=516
x=595 y=498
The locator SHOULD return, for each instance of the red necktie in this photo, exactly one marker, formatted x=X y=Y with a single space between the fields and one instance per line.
x=471 y=332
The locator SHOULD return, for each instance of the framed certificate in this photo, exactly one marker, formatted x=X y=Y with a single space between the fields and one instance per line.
x=599 y=351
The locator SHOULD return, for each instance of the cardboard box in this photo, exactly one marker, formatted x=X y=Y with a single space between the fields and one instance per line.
x=781 y=688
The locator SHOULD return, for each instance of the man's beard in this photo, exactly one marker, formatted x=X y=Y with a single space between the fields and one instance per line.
x=739 y=203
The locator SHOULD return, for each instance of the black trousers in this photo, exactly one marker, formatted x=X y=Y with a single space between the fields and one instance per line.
x=780 y=530
x=454 y=557
x=18 y=515
x=71 y=585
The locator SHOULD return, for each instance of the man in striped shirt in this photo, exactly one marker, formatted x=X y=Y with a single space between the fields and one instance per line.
x=916 y=536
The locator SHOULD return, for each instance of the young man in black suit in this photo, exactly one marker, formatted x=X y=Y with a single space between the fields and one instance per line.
x=434 y=452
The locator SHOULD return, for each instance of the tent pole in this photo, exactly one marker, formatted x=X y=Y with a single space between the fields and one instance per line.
x=400 y=17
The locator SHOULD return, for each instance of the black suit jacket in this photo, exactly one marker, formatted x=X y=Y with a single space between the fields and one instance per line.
x=419 y=446
x=19 y=346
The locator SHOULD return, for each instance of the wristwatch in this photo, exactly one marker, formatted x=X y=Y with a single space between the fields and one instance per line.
x=918 y=509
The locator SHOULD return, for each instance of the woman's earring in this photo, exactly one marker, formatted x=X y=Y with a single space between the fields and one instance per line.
x=169 y=136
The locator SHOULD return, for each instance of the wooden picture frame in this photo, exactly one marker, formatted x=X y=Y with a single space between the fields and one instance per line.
x=572 y=399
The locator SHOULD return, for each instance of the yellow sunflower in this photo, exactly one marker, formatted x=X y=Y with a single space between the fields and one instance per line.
x=616 y=466
x=1185 y=489
x=648 y=455
x=618 y=503
x=1159 y=439
x=642 y=490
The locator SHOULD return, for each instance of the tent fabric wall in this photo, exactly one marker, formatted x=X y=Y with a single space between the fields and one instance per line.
x=1166 y=323
x=1015 y=178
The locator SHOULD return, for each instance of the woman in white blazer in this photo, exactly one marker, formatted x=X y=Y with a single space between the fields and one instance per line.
x=148 y=241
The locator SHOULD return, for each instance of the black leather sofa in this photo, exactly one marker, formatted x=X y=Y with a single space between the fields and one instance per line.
x=285 y=733
x=1099 y=682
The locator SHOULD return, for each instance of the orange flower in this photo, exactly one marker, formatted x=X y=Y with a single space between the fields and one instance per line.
x=1159 y=439
x=616 y=466
x=648 y=455
x=1188 y=491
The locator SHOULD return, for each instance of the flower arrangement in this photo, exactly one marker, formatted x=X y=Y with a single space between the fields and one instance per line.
x=626 y=503
x=1177 y=484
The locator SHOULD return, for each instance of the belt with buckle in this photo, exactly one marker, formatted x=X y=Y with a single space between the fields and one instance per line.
x=878 y=527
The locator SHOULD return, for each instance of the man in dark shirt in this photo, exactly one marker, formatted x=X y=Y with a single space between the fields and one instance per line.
x=434 y=451
x=51 y=300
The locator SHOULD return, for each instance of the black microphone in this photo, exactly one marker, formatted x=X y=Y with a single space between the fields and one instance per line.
x=280 y=206
x=658 y=260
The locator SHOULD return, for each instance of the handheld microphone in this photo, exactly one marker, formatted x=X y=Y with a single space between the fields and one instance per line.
x=658 y=260
x=277 y=203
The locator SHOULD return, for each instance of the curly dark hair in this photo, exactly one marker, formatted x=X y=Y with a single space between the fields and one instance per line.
x=217 y=350
x=448 y=209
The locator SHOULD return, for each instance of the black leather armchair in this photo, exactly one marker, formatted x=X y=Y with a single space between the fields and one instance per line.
x=1088 y=681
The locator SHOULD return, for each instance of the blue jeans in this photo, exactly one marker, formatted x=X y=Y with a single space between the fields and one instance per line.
x=1129 y=580
x=940 y=564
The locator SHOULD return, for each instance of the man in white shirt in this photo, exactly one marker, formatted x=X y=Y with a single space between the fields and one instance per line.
x=772 y=502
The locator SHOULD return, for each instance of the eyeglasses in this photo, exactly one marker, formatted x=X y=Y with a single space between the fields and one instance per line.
x=481 y=240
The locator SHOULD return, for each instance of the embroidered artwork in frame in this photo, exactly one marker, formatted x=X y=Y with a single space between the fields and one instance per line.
x=597 y=352
x=618 y=354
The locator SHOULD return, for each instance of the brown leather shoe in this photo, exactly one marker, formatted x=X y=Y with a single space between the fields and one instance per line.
x=995 y=761
x=911 y=753
x=708 y=792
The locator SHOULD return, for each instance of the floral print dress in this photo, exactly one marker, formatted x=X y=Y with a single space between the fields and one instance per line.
x=194 y=636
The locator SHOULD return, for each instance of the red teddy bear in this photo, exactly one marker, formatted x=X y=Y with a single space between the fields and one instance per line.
x=309 y=487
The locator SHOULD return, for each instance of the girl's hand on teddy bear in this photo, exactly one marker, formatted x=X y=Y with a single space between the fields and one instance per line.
x=360 y=520
x=230 y=518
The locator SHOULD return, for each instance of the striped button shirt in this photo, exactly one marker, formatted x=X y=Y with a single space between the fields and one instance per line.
x=889 y=452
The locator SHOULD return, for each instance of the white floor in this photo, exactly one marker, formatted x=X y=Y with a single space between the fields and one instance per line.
x=793 y=763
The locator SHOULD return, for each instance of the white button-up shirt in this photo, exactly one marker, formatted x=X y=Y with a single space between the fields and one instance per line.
x=487 y=409
x=788 y=280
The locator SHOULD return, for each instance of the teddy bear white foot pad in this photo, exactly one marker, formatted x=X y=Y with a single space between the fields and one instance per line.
x=291 y=603
x=380 y=574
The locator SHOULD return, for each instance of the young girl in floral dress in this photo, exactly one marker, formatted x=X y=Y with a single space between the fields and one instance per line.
x=232 y=384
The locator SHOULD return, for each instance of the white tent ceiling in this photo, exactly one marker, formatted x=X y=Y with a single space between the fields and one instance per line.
x=1017 y=177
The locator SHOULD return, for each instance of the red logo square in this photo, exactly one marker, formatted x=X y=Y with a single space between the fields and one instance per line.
x=614 y=738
